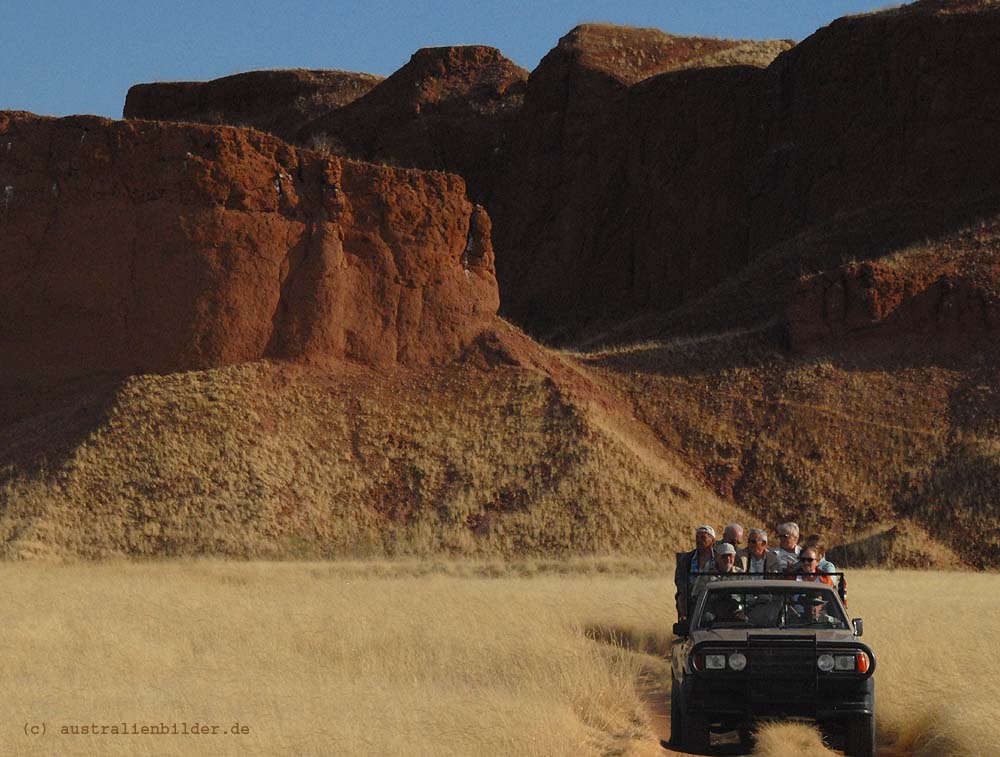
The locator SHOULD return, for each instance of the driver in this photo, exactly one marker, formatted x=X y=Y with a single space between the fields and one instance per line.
x=816 y=611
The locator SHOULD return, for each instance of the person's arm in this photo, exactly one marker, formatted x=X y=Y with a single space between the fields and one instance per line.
x=771 y=564
x=682 y=573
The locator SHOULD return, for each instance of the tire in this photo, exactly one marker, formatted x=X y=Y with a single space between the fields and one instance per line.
x=833 y=734
x=859 y=736
x=676 y=724
x=695 y=729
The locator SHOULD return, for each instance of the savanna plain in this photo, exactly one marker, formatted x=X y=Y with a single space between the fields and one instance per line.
x=433 y=657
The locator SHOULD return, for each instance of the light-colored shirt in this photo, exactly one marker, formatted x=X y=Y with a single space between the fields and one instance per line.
x=708 y=565
x=786 y=558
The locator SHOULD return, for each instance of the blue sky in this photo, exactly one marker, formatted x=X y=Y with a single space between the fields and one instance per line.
x=80 y=56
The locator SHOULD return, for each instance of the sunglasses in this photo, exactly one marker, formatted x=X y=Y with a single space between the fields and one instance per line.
x=807 y=559
x=756 y=541
x=784 y=536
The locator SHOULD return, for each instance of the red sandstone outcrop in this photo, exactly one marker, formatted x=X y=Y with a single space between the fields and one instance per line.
x=877 y=304
x=136 y=246
x=448 y=109
x=279 y=102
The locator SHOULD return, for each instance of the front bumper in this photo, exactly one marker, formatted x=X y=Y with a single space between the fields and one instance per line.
x=734 y=697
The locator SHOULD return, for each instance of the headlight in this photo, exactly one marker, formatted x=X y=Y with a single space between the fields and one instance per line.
x=715 y=662
x=737 y=661
x=825 y=662
x=845 y=662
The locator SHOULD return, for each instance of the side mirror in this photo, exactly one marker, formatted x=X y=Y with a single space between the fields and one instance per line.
x=859 y=627
x=681 y=628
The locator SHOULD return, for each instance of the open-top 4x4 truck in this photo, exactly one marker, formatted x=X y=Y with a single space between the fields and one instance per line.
x=770 y=647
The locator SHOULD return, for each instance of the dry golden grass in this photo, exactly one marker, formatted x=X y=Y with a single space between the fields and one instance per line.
x=434 y=657
x=318 y=659
x=754 y=53
x=785 y=739
x=935 y=635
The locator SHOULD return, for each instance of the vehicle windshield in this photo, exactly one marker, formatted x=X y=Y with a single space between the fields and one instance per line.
x=770 y=608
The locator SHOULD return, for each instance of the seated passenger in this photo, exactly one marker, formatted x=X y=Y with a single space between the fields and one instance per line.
x=733 y=534
x=788 y=548
x=689 y=564
x=725 y=559
x=807 y=570
x=824 y=565
x=759 y=559
x=725 y=563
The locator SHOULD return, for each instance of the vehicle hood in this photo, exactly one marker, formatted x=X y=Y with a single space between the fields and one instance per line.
x=736 y=635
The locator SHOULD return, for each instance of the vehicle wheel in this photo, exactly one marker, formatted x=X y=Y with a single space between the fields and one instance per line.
x=859 y=736
x=833 y=734
x=695 y=729
x=676 y=726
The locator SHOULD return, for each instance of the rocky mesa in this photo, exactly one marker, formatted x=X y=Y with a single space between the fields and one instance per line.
x=131 y=247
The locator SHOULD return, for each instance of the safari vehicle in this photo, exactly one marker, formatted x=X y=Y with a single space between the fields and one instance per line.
x=765 y=648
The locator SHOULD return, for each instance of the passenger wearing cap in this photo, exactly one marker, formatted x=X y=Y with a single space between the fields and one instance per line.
x=691 y=564
x=702 y=559
x=725 y=564
x=725 y=559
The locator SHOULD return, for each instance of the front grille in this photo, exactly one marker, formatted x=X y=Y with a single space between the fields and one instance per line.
x=781 y=670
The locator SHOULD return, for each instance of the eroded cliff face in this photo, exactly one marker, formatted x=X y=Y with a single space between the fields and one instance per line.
x=624 y=200
x=623 y=179
x=133 y=246
x=279 y=102
x=448 y=108
x=941 y=310
x=635 y=170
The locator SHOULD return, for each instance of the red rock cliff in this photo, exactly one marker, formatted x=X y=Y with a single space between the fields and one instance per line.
x=448 y=108
x=134 y=246
x=944 y=309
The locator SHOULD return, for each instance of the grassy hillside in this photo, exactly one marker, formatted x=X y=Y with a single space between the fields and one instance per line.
x=280 y=461
x=888 y=428
x=838 y=447
x=619 y=451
